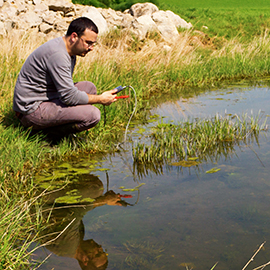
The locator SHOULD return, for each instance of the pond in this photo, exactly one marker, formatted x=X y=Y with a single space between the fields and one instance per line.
x=169 y=217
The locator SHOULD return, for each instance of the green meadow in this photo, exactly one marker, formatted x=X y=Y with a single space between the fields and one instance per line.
x=229 y=42
x=217 y=4
x=228 y=19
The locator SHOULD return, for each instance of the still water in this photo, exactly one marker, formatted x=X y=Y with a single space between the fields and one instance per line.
x=174 y=217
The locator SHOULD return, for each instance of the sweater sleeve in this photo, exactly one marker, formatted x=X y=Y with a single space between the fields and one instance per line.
x=60 y=69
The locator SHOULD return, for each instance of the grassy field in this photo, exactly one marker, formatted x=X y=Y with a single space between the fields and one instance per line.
x=200 y=58
x=217 y=4
x=226 y=19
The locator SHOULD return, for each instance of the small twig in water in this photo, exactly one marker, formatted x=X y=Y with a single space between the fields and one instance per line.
x=262 y=266
x=252 y=258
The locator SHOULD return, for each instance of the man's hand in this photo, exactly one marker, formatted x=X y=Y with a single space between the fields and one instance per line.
x=106 y=98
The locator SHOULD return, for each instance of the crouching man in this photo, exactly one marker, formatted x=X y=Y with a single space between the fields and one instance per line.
x=45 y=96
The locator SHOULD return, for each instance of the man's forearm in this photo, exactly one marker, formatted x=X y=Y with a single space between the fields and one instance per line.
x=94 y=99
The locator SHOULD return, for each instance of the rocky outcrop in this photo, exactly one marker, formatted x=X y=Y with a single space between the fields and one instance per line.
x=49 y=17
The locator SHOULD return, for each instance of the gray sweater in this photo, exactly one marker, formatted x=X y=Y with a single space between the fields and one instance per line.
x=46 y=75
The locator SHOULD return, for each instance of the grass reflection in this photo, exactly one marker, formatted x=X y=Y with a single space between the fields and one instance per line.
x=204 y=140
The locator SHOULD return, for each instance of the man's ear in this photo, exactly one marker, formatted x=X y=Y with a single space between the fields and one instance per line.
x=74 y=37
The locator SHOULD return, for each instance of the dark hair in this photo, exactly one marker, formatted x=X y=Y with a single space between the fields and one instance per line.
x=80 y=24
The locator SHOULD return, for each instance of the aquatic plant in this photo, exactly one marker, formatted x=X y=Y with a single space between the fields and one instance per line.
x=196 y=138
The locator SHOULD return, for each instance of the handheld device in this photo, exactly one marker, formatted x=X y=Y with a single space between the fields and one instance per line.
x=119 y=88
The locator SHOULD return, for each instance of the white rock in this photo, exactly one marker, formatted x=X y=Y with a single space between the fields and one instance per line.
x=165 y=25
x=41 y=8
x=3 y=31
x=9 y=11
x=49 y=17
x=178 y=21
x=54 y=16
x=93 y=14
x=60 y=5
x=142 y=25
x=31 y=18
x=111 y=16
x=45 y=28
x=141 y=9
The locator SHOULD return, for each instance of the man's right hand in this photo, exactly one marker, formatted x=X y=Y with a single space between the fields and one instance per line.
x=106 y=98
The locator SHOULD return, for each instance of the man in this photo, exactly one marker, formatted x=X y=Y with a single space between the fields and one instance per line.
x=45 y=96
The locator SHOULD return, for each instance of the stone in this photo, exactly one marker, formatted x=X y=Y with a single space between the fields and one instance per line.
x=127 y=20
x=9 y=11
x=177 y=20
x=60 y=25
x=9 y=25
x=165 y=25
x=142 y=25
x=93 y=14
x=60 y=5
x=53 y=16
x=49 y=17
x=45 y=28
x=112 y=17
x=41 y=8
x=31 y=19
x=21 y=8
x=3 y=31
x=141 y=9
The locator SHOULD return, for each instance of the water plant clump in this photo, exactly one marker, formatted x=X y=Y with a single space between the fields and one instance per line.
x=173 y=142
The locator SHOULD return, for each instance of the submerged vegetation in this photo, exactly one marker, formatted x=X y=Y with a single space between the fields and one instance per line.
x=196 y=60
x=189 y=143
x=195 y=139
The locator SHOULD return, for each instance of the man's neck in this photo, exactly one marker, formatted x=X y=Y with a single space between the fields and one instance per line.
x=67 y=42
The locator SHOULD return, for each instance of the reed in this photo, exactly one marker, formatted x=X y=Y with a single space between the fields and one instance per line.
x=174 y=142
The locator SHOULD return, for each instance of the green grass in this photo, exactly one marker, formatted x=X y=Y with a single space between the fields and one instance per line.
x=217 y=4
x=224 y=18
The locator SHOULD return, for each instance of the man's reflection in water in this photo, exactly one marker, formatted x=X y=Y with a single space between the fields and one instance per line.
x=65 y=234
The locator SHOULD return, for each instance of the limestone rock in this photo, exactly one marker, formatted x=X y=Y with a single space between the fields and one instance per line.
x=93 y=14
x=41 y=8
x=45 y=28
x=60 y=5
x=141 y=9
x=165 y=25
x=3 y=31
x=142 y=25
x=177 y=20
x=112 y=17
x=31 y=19
x=50 y=17
x=9 y=11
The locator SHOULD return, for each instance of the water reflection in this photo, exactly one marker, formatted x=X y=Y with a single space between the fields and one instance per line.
x=64 y=236
x=226 y=150
x=185 y=218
